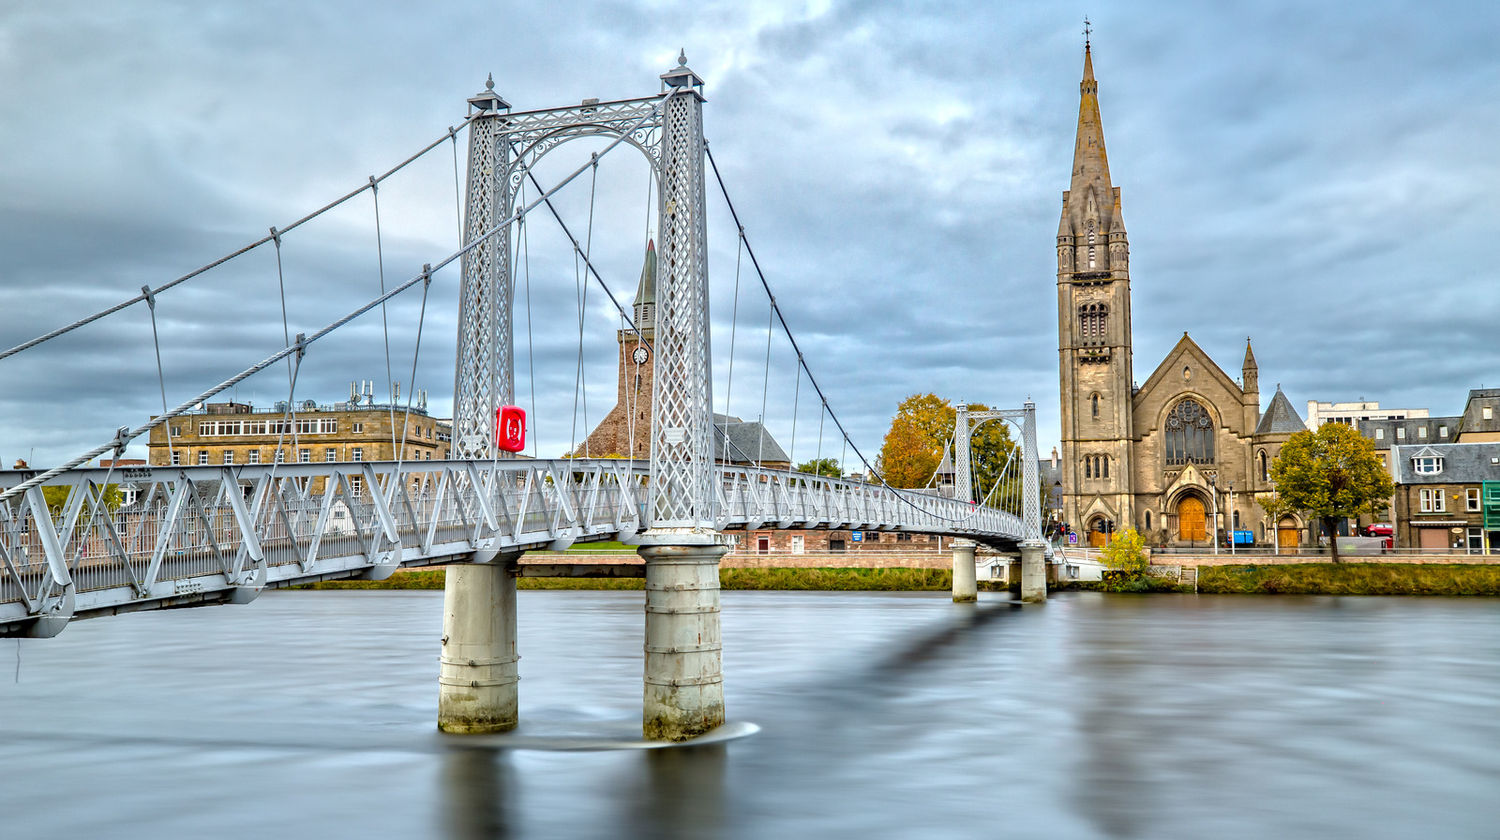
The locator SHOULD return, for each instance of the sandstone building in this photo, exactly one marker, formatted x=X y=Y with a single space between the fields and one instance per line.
x=239 y=433
x=1161 y=458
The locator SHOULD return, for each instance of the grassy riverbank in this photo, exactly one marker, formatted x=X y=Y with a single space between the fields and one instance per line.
x=875 y=580
x=1298 y=579
x=1350 y=579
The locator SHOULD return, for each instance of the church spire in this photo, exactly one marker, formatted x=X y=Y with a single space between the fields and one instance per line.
x=1091 y=220
x=1250 y=372
x=1090 y=163
x=645 y=293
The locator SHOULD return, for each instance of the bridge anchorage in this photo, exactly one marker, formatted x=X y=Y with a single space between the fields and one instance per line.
x=221 y=534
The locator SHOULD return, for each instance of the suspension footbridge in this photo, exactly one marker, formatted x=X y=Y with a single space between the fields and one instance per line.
x=205 y=534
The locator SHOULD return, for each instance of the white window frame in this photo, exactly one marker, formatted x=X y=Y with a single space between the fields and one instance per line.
x=1427 y=465
x=1432 y=500
x=254 y=456
x=1486 y=412
x=1401 y=433
x=1471 y=499
x=1380 y=434
x=229 y=457
x=330 y=454
x=203 y=457
x=1421 y=431
x=176 y=459
x=357 y=453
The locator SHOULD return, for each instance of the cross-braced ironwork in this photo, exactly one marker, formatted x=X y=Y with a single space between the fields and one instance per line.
x=220 y=534
x=1025 y=419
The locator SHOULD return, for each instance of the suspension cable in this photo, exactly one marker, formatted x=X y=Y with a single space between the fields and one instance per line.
x=777 y=315
x=385 y=326
x=530 y=346
x=734 y=322
x=291 y=376
x=161 y=379
x=227 y=257
x=125 y=434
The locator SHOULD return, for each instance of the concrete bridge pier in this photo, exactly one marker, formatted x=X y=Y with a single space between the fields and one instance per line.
x=477 y=673
x=684 y=681
x=1033 y=571
x=965 y=586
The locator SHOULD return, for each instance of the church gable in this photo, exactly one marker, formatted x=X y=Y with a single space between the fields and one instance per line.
x=1188 y=371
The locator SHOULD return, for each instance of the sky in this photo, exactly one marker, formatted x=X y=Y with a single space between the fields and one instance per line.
x=1318 y=177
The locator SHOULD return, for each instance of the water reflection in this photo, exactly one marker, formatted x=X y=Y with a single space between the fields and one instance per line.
x=881 y=715
x=478 y=785
x=679 y=794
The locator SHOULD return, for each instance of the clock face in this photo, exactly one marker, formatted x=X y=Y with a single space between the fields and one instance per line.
x=639 y=355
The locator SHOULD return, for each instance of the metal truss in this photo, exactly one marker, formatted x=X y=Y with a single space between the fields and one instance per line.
x=668 y=129
x=197 y=535
x=1025 y=419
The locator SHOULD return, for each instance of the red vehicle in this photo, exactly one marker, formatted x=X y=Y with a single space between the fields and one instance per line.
x=1382 y=529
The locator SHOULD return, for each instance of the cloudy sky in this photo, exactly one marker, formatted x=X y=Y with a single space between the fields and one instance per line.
x=1321 y=177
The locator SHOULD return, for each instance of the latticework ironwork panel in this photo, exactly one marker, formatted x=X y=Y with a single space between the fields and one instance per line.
x=206 y=532
x=484 y=370
x=681 y=446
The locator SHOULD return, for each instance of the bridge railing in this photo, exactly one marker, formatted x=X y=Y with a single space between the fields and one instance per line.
x=223 y=532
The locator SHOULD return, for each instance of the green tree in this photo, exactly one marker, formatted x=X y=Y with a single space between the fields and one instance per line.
x=1331 y=474
x=57 y=499
x=822 y=466
x=921 y=430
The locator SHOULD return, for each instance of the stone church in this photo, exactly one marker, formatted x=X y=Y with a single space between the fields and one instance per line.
x=1186 y=454
x=626 y=431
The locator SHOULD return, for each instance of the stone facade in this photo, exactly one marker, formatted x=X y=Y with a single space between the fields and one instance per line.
x=1164 y=457
x=239 y=433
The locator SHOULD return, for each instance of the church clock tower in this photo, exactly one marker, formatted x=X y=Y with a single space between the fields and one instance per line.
x=1093 y=330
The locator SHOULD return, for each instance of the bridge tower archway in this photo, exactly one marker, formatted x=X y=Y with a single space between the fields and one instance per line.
x=667 y=129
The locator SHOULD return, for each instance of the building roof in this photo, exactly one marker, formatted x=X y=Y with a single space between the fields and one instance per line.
x=741 y=442
x=1462 y=463
x=1280 y=417
x=1412 y=431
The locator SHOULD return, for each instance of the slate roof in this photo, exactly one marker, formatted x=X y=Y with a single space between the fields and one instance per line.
x=1463 y=463
x=741 y=442
x=1411 y=436
x=1280 y=417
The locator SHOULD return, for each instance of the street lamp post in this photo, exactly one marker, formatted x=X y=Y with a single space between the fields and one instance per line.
x=1213 y=494
x=1233 y=525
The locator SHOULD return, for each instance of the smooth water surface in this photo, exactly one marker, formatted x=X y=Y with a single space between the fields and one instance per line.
x=311 y=714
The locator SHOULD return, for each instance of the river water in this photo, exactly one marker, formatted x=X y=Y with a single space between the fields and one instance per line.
x=310 y=714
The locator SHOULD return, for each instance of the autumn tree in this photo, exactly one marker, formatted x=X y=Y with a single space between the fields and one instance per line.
x=1331 y=474
x=922 y=429
x=822 y=466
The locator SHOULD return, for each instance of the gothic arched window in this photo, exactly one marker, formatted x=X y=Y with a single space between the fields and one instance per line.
x=1092 y=318
x=1265 y=472
x=1189 y=435
x=1094 y=400
x=1088 y=467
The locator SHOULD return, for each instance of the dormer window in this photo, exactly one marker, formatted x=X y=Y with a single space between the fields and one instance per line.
x=1427 y=465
